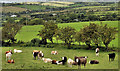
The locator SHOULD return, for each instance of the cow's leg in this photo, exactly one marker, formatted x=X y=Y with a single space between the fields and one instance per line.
x=84 y=65
x=79 y=66
x=109 y=59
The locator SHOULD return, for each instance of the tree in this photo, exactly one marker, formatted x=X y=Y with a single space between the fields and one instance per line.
x=9 y=31
x=36 y=21
x=90 y=33
x=66 y=34
x=107 y=34
x=78 y=37
x=48 y=31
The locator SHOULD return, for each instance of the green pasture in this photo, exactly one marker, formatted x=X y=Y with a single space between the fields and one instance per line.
x=54 y=4
x=32 y=7
x=25 y=60
x=105 y=12
x=89 y=7
x=12 y=9
x=27 y=33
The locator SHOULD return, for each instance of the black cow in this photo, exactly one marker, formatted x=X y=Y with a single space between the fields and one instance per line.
x=94 y=62
x=111 y=56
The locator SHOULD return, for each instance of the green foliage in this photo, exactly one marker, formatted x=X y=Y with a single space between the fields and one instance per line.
x=36 y=21
x=48 y=31
x=107 y=34
x=9 y=31
x=66 y=34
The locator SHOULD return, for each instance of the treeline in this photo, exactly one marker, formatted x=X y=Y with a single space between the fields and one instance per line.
x=91 y=34
x=76 y=17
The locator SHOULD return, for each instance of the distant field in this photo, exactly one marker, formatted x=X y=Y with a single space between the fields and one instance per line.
x=27 y=33
x=57 y=3
x=60 y=2
x=13 y=9
x=32 y=7
x=104 y=12
x=54 y=4
x=25 y=60
x=88 y=7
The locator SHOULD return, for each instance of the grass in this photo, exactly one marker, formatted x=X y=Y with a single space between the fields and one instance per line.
x=27 y=33
x=13 y=9
x=25 y=60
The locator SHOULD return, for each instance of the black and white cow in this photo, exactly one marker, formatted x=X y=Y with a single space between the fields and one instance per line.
x=38 y=54
x=64 y=60
x=111 y=56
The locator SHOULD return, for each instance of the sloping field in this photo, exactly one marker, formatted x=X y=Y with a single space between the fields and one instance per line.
x=12 y=9
x=27 y=33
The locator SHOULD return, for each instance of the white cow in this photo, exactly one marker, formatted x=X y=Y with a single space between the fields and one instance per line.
x=17 y=51
x=46 y=60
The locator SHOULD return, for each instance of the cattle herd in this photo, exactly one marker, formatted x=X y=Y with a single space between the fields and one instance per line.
x=64 y=60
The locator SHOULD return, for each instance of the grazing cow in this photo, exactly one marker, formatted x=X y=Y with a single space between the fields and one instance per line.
x=81 y=60
x=8 y=55
x=97 y=51
x=54 y=52
x=80 y=57
x=17 y=51
x=111 y=56
x=56 y=62
x=38 y=54
x=94 y=62
x=46 y=60
x=11 y=61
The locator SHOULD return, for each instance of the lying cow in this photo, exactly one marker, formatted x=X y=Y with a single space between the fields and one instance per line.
x=8 y=55
x=11 y=61
x=56 y=62
x=17 y=51
x=38 y=54
x=54 y=52
x=46 y=60
x=94 y=62
x=111 y=56
x=71 y=62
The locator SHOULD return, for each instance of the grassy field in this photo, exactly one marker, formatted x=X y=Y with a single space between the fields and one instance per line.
x=27 y=33
x=54 y=4
x=13 y=9
x=32 y=7
x=57 y=3
x=89 y=7
x=25 y=60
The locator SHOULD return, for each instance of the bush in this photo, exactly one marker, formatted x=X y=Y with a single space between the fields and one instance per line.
x=20 y=42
